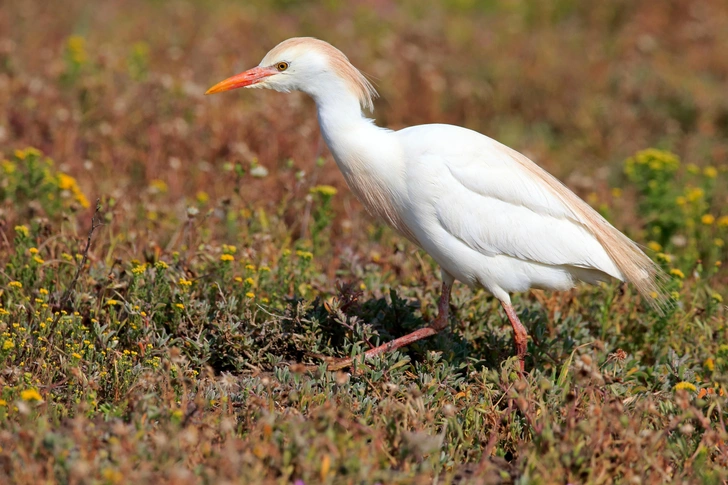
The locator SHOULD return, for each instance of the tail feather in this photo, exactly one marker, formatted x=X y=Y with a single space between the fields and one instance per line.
x=636 y=267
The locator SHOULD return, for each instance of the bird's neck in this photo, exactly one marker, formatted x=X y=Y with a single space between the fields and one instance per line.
x=339 y=112
x=339 y=104
x=348 y=133
x=369 y=157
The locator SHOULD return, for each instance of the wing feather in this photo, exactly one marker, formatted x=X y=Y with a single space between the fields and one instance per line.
x=535 y=227
x=497 y=201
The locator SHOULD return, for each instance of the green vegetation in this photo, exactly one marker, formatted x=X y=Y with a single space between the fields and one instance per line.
x=227 y=256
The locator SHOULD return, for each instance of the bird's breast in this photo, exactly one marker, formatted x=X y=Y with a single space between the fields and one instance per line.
x=373 y=165
x=380 y=200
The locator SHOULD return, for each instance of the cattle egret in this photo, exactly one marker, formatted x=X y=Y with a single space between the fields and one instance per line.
x=488 y=215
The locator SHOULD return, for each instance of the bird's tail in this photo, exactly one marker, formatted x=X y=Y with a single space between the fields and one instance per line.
x=636 y=267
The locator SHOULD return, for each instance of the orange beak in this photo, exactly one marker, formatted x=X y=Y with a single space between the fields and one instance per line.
x=244 y=79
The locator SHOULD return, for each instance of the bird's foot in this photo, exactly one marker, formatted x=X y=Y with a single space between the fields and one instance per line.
x=435 y=327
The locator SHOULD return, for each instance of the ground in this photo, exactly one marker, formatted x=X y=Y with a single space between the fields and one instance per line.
x=174 y=267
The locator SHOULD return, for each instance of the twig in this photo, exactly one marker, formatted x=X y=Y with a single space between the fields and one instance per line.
x=95 y=223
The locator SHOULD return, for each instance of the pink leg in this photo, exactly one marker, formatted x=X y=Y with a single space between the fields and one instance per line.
x=437 y=325
x=520 y=335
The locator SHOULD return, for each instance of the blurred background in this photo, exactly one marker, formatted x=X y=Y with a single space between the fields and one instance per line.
x=113 y=92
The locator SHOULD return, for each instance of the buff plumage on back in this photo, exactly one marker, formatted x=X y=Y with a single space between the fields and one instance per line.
x=359 y=85
x=636 y=267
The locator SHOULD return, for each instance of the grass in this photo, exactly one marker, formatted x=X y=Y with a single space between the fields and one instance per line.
x=226 y=253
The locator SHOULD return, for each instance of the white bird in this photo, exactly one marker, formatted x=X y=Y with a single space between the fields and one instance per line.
x=488 y=215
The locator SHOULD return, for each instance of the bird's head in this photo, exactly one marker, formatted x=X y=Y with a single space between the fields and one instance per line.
x=303 y=64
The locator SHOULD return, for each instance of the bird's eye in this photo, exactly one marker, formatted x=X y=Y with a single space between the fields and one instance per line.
x=282 y=66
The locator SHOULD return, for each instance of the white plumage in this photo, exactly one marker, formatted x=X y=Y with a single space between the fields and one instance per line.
x=485 y=213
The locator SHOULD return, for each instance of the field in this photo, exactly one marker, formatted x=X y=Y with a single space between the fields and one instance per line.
x=173 y=266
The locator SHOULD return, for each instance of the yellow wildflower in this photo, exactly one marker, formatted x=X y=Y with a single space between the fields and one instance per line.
x=39 y=260
x=717 y=297
x=250 y=294
x=8 y=344
x=15 y=284
x=249 y=281
x=694 y=193
x=76 y=48
x=43 y=291
x=654 y=158
x=710 y=172
x=665 y=258
x=304 y=254
x=161 y=265
x=202 y=197
x=264 y=269
x=227 y=257
x=22 y=231
x=326 y=190
x=678 y=273
x=654 y=245
x=719 y=242
x=33 y=250
x=76 y=355
x=3 y=402
x=229 y=249
x=66 y=182
x=112 y=302
x=685 y=386
x=707 y=219
x=238 y=279
x=8 y=167
x=81 y=199
x=158 y=186
x=723 y=221
x=680 y=200
x=185 y=282
x=30 y=395
x=250 y=267
x=180 y=306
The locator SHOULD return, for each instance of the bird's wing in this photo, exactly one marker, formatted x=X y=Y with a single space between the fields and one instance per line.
x=490 y=202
